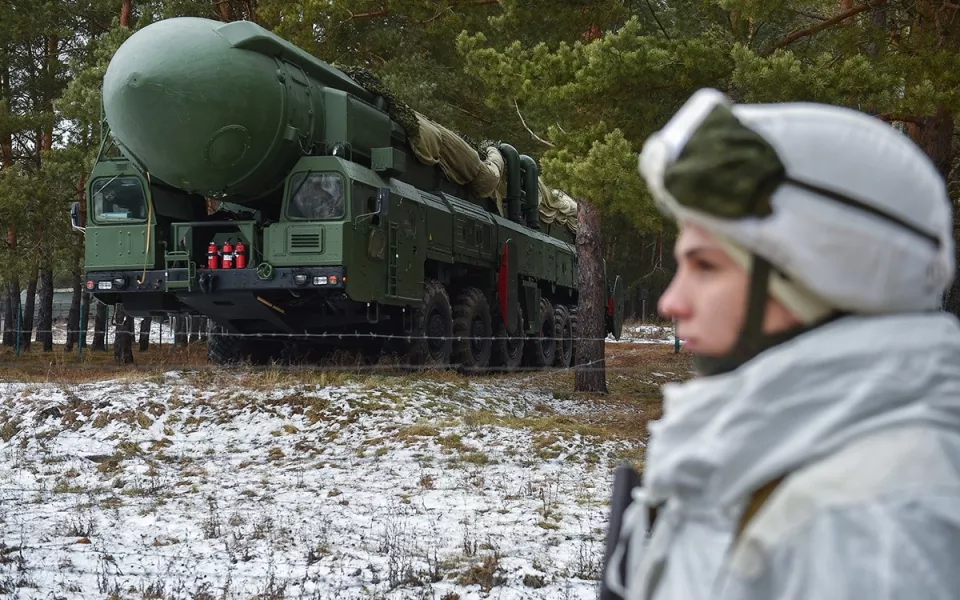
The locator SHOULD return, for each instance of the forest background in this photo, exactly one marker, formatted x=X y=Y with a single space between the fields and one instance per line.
x=578 y=84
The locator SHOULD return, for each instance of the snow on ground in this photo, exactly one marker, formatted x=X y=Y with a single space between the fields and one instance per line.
x=160 y=333
x=644 y=334
x=188 y=485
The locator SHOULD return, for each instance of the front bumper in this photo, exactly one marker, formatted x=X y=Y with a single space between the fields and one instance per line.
x=213 y=280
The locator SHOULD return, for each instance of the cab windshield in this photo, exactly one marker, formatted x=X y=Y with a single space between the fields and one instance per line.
x=316 y=196
x=119 y=200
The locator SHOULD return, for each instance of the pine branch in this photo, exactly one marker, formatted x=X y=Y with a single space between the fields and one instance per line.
x=368 y=15
x=835 y=20
x=808 y=14
x=383 y=12
x=535 y=136
x=657 y=19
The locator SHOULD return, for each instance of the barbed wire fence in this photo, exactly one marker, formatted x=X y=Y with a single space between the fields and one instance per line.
x=342 y=350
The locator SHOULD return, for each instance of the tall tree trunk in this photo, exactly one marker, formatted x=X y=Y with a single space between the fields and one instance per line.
x=145 y=325
x=126 y=13
x=13 y=311
x=100 y=328
x=590 y=369
x=4 y=303
x=6 y=140
x=846 y=5
x=934 y=133
x=195 y=328
x=85 y=300
x=45 y=312
x=29 y=303
x=123 y=338
x=73 y=319
x=180 y=330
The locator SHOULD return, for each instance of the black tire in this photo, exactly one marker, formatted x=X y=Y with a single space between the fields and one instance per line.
x=224 y=348
x=540 y=349
x=506 y=352
x=291 y=352
x=472 y=330
x=564 y=357
x=431 y=341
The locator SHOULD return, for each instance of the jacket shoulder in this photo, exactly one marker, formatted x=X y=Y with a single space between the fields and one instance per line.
x=897 y=474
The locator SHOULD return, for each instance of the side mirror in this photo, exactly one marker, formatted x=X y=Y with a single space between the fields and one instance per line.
x=75 y=217
x=383 y=202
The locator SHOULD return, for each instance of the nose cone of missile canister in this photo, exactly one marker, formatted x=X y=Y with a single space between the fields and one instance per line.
x=195 y=112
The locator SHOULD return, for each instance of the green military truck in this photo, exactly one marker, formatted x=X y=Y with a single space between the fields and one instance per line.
x=342 y=216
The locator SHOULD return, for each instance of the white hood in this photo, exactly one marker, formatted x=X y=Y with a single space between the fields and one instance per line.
x=724 y=436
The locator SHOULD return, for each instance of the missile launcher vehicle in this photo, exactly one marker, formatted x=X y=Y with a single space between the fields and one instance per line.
x=303 y=209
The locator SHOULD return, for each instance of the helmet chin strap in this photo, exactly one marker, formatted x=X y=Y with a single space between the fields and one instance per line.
x=752 y=340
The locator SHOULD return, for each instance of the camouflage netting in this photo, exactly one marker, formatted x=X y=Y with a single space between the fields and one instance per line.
x=556 y=205
x=479 y=167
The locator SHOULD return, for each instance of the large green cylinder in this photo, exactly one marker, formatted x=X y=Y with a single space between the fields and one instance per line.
x=222 y=110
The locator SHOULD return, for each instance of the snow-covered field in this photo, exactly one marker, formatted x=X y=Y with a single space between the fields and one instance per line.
x=206 y=484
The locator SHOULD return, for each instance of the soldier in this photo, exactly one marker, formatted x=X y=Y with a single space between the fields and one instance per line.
x=816 y=454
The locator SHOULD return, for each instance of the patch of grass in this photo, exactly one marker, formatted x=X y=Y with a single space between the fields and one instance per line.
x=487 y=574
x=475 y=458
x=10 y=428
x=453 y=441
x=416 y=431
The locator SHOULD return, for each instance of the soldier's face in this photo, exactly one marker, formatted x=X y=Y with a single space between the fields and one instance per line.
x=708 y=295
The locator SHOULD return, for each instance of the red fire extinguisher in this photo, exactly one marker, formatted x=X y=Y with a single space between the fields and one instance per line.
x=213 y=256
x=241 y=255
x=227 y=255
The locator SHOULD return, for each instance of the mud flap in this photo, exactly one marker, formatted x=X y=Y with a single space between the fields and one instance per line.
x=507 y=293
x=614 y=318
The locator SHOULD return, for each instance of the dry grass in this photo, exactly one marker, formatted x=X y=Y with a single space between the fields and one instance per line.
x=634 y=375
x=67 y=367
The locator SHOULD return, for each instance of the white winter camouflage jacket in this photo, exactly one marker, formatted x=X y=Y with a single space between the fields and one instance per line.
x=863 y=415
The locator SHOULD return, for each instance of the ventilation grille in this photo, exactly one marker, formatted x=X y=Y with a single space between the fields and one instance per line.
x=304 y=241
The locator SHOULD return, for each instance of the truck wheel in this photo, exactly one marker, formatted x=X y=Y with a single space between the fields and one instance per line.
x=540 y=349
x=224 y=348
x=431 y=341
x=472 y=330
x=561 y=316
x=506 y=352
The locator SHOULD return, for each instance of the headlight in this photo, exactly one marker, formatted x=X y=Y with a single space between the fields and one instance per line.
x=300 y=278
x=104 y=285
x=319 y=281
